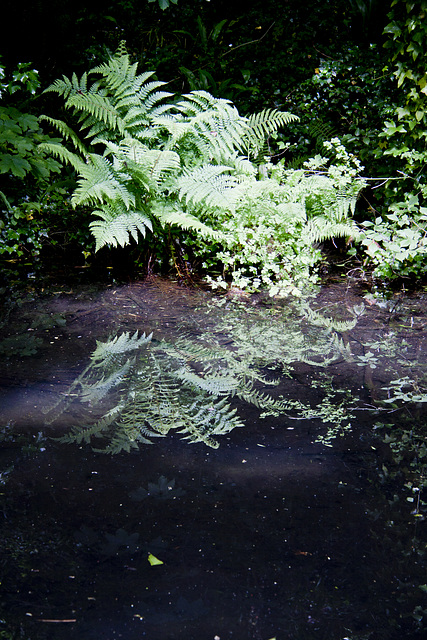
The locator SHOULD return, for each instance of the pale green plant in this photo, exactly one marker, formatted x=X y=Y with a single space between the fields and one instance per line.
x=396 y=243
x=273 y=235
x=158 y=160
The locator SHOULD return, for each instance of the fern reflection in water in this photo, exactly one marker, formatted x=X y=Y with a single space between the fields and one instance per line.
x=155 y=387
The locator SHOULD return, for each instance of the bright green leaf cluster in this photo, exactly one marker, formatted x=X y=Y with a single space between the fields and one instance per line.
x=158 y=160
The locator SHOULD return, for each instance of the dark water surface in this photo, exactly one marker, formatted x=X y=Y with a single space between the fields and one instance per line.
x=270 y=535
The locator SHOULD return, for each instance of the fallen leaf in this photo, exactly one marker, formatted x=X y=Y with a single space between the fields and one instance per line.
x=153 y=560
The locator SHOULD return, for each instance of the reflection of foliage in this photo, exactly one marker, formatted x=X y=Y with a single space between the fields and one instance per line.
x=153 y=388
x=405 y=390
x=120 y=542
x=157 y=392
x=163 y=489
x=115 y=544
x=22 y=345
x=25 y=343
x=408 y=463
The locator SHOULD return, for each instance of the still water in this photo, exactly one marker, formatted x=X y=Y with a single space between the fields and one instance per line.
x=265 y=493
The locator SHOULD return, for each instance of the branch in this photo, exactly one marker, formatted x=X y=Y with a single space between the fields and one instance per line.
x=250 y=42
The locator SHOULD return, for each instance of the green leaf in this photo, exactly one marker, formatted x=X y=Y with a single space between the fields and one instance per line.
x=153 y=560
x=14 y=164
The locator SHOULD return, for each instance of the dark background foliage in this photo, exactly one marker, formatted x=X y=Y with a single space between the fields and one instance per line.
x=278 y=42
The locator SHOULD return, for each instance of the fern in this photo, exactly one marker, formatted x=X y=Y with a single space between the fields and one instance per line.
x=208 y=186
x=63 y=154
x=319 y=230
x=261 y=125
x=67 y=87
x=321 y=132
x=67 y=133
x=99 y=183
x=117 y=227
x=148 y=156
x=170 y=214
x=93 y=393
x=107 y=353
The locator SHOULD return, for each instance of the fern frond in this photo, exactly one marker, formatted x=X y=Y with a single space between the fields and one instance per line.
x=205 y=420
x=216 y=385
x=67 y=87
x=320 y=230
x=66 y=132
x=148 y=96
x=107 y=352
x=177 y=129
x=118 y=73
x=216 y=124
x=261 y=125
x=265 y=122
x=319 y=320
x=172 y=214
x=61 y=152
x=99 y=109
x=98 y=183
x=322 y=132
x=120 y=441
x=94 y=393
x=117 y=227
x=187 y=349
x=160 y=164
x=97 y=430
x=208 y=186
x=198 y=101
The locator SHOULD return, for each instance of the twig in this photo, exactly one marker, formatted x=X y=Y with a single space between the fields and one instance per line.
x=250 y=42
x=49 y=620
x=323 y=54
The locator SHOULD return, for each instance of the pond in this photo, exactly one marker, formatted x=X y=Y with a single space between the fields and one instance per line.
x=179 y=465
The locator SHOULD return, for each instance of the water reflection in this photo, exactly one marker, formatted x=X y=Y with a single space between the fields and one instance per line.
x=269 y=535
x=144 y=388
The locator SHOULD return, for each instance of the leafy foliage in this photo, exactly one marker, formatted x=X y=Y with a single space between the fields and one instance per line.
x=395 y=241
x=164 y=4
x=271 y=239
x=404 y=135
x=348 y=95
x=24 y=169
x=195 y=162
x=157 y=155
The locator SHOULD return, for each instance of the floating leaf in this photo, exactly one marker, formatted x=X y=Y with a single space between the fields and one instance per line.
x=153 y=560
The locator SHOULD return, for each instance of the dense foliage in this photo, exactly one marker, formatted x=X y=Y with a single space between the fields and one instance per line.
x=396 y=240
x=194 y=162
x=351 y=73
